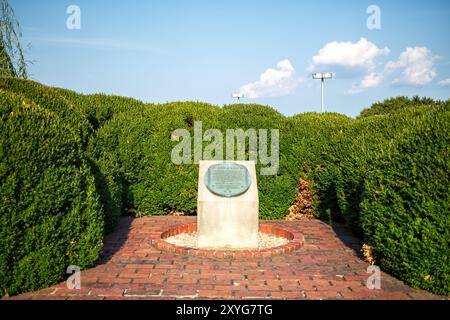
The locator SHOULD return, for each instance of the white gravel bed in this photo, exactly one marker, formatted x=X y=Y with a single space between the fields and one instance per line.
x=265 y=240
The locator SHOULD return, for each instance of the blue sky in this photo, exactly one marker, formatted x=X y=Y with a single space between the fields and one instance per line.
x=205 y=50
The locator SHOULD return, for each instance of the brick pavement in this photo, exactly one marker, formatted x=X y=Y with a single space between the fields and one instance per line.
x=328 y=266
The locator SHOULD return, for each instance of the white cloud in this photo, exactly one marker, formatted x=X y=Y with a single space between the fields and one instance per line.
x=371 y=80
x=273 y=82
x=416 y=66
x=360 y=54
x=445 y=82
x=350 y=57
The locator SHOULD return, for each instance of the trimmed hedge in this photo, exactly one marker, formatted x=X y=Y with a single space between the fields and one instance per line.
x=48 y=98
x=85 y=114
x=396 y=104
x=305 y=149
x=155 y=185
x=76 y=188
x=381 y=176
x=50 y=214
x=99 y=108
x=405 y=210
x=140 y=141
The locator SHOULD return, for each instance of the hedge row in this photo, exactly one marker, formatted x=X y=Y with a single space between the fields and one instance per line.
x=388 y=178
x=405 y=210
x=397 y=104
x=50 y=215
x=349 y=158
x=72 y=161
x=59 y=195
x=140 y=144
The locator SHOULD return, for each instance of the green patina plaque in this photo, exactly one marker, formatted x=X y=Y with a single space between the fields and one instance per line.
x=227 y=179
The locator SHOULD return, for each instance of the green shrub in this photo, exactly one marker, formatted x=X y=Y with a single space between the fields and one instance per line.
x=109 y=181
x=50 y=215
x=157 y=186
x=310 y=138
x=276 y=192
x=350 y=157
x=396 y=104
x=49 y=98
x=85 y=114
x=154 y=184
x=405 y=211
x=99 y=108
x=366 y=181
x=103 y=150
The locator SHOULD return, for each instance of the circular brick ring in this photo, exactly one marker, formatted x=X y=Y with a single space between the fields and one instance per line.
x=295 y=242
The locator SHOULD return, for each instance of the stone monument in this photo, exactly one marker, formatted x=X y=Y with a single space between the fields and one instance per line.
x=228 y=205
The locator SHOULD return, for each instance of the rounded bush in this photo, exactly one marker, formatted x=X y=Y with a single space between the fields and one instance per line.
x=397 y=104
x=85 y=114
x=350 y=157
x=50 y=215
x=405 y=211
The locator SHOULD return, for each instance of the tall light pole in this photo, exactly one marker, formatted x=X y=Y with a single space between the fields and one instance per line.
x=322 y=76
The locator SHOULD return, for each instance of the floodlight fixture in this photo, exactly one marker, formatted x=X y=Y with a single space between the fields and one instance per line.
x=322 y=76
x=237 y=96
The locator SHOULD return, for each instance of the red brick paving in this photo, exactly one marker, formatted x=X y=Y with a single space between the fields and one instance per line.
x=328 y=266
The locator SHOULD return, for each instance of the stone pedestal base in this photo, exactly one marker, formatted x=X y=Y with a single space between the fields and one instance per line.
x=227 y=222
